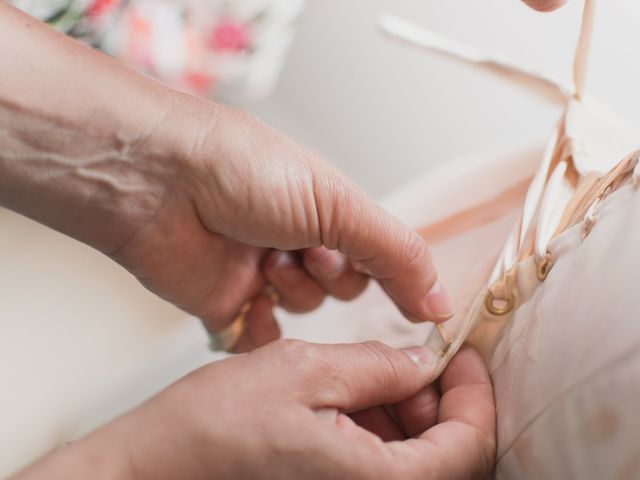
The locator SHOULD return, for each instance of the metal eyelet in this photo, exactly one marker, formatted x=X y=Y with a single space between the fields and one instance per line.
x=499 y=310
x=544 y=268
x=592 y=213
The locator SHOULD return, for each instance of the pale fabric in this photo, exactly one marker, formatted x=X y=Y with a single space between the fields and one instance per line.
x=81 y=341
x=567 y=383
x=589 y=155
x=567 y=368
x=567 y=371
x=564 y=362
x=464 y=260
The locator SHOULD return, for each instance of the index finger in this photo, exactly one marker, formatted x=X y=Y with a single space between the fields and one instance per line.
x=383 y=246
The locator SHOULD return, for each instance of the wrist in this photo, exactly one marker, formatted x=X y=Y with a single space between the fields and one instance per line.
x=78 y=129
x=92 y=182
x=103 y=454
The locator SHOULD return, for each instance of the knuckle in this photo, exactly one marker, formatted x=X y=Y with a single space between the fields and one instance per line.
x=303 y=302
x=319 y=262
x=339 y=205
x=323 y=378
x=332 y=387
x=294 y=349
x=306 y=363
x=351 y=288
x=389 y=361
x=419 y=258
x=375 y=346
x=301 y=357
x=311 y=297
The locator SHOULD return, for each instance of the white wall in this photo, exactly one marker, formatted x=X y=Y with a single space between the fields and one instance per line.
x=383 y=111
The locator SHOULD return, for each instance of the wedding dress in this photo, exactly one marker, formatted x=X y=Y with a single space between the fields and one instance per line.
x=563 y=349
x=540 y=249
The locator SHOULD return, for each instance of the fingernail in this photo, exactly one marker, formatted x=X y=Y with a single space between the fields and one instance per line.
x=329 y=265
x=440 y=302
x=421 y=356
x=284 y=264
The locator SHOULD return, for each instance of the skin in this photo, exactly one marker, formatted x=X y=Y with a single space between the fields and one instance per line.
x=545 y=5
x=297 y=410
x=206 y=206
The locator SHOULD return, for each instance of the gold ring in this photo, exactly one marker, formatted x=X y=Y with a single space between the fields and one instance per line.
x=544 y=267
x=271 y=292
x=227 y=338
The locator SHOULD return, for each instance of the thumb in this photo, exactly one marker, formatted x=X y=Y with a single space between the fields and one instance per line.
x=545 y=5
x=381 y=246
x=358 y=376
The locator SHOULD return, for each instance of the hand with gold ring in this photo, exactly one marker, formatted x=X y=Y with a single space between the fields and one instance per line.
x=300 y=279
x=204 y=204
x=235 y=337
x=248 y=208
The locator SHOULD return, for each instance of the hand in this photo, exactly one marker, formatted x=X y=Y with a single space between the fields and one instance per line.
x=246 y=208
x=296 y=410
x=205 y=205
x=545 y=5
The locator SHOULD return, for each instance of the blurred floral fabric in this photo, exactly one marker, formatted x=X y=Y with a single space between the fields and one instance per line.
x=197 y=46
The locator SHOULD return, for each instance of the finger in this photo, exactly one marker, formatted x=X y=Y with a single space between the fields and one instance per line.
x=353 y=377
x=261 y=326
x=379 y=422
x=545 y=5
x=215 y=284
x=420 y=412
x=466 y=429
x=467 y=393
x=297 y=290
x=386 y=248
x=334 y=273
x=354 y=432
